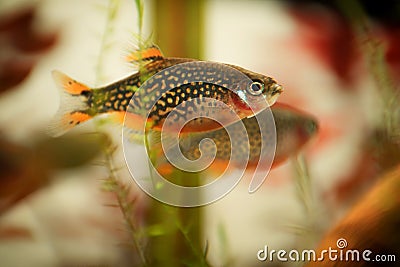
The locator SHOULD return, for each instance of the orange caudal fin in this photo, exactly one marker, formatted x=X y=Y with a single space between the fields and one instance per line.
x=148 y=54
x=68 y=85
x=74 y=104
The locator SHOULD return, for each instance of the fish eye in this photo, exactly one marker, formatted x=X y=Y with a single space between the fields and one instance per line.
x=256 y=88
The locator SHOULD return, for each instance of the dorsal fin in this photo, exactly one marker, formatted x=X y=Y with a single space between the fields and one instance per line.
x=150 y=53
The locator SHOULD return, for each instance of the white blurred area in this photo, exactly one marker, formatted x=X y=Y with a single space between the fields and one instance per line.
x=251 y=34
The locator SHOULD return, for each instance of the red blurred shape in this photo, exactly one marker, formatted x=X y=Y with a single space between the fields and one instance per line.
x=18 y=38
x=19 y=30
x=329 y=37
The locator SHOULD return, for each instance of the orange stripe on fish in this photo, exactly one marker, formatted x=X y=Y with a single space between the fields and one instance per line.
x=129 y=120
x=214 y=171
x=148 y=54
x=198 y=125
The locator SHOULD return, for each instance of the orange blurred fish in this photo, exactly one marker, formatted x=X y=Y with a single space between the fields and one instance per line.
x=368 y=235
x=293 y=130
x=211 y=80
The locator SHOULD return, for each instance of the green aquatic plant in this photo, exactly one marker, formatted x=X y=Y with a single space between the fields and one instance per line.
x=112 y=12
x=175 y=233
x=385 y=140
x=308 y=230
x=171 y=236
x=124 y=202
x=374 y=52
x=188 y=39
x=113 y=182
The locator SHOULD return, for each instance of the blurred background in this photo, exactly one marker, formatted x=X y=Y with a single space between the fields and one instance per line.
x=330 y=67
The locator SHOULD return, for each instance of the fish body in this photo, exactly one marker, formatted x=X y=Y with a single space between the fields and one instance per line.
x=293 y=130
x=167 y=85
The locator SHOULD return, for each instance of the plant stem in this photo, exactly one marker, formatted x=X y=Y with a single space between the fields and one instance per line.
x=180 y=228
x=375 y=58
x=306 y=197
x=178 y=28
x=121 y=191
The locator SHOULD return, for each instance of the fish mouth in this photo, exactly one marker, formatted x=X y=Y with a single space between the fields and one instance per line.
x=276 y=91
x=312 y=127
